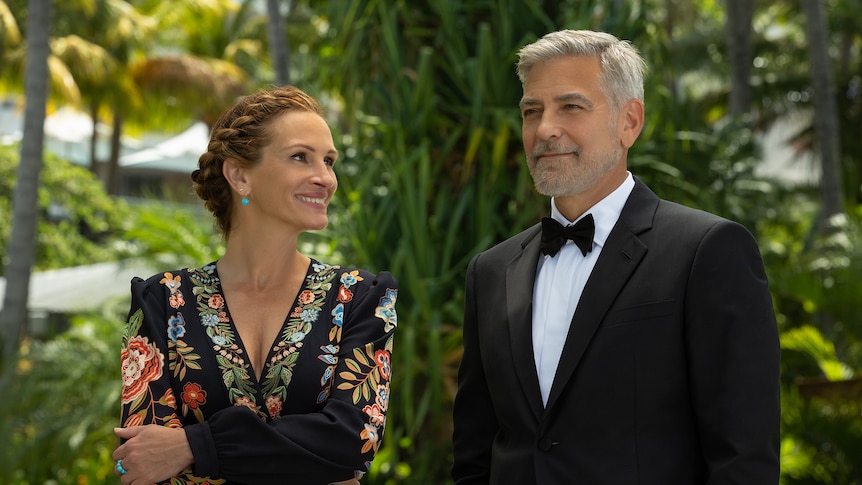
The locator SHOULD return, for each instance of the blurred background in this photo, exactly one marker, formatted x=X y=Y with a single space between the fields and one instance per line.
x=753 y=112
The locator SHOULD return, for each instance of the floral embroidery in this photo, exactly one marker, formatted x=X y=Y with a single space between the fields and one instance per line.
x=361 y=374
x=371 y=437
x=142 y=363
x=273 y=405
x=216 y=301
x=173 y=284
x=386 y=309
x=229 y=355
x=383 y=359
x=366 y=376
x=176 y=327
x=193 y=398
x=375 y=414
x=300 y=321
x=305 y=297
x=134 y=420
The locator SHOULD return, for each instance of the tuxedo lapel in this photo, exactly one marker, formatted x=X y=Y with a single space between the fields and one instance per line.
x=520 y=278
x=620 y=255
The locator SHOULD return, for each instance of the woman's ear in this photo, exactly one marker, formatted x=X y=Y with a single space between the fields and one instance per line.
x=235 y=176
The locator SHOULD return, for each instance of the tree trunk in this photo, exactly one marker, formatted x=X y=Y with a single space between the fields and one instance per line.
x=826 y=124
x=22 y=240
x=737 y=30
x=278 y=46
x=112 y=171
x=94 y=138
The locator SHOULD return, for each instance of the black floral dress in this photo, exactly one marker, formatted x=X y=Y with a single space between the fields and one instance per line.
x=318 y=412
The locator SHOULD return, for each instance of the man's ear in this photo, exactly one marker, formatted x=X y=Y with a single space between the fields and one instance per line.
x=631 y=121
x=235 y=176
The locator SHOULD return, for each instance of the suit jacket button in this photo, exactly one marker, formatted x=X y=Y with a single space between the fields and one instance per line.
x=545 y=444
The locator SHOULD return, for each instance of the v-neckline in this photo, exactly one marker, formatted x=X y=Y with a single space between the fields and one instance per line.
x=253 y=375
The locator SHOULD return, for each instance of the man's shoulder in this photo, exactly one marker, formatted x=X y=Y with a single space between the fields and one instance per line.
x=512 y=245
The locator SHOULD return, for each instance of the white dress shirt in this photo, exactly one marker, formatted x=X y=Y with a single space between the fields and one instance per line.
x=560 y=280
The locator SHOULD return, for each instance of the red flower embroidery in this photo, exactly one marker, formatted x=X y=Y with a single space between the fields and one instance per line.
x=168 y=399
x=306 y=297
x=193 y=395
x=142 y=363
x=273 y=405
x=177 y=300
x=244 y=401
x=216 y=301
x=383 y=359
x=134 y=420
x=376 y=417
x=344 y=295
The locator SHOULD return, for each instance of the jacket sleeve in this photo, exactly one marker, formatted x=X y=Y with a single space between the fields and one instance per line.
x=475 y=423
x=733 y=347
x=148 y=396
x=340 y=440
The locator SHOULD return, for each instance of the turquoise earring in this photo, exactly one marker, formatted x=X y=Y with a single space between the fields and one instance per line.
x=245 y=201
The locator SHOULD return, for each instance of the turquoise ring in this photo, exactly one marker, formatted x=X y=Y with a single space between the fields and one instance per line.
x=120 y=469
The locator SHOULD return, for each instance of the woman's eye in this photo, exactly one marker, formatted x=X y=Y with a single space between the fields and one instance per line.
x=299 y=157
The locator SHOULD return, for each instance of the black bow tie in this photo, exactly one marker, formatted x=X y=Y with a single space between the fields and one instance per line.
x=554 y=235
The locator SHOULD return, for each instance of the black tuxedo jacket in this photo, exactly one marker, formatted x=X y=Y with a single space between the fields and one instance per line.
x=670 y=371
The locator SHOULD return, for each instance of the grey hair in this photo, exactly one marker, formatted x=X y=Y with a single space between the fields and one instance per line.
x=623 y=69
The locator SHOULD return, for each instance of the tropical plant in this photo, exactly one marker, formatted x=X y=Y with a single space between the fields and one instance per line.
x=77 y=222
x=63 y=404
x=24 y=202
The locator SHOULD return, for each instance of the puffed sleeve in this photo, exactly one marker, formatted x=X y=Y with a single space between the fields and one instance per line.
x=148 y=395
x=339 y=441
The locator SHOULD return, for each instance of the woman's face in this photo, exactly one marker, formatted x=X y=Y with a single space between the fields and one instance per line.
x=295 y=178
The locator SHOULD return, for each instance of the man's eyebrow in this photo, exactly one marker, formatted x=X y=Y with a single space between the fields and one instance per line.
x=580 y=98
x=528 y=102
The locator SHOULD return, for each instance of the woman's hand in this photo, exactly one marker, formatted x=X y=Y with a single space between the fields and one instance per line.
x=152 y=453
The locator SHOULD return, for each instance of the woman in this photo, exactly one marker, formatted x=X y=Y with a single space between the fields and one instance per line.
x=265 y=366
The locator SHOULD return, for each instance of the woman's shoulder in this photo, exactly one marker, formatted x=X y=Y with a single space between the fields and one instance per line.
x=172 y=280
x=353 y=276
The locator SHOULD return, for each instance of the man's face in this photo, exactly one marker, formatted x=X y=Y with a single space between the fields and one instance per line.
x=569 y=131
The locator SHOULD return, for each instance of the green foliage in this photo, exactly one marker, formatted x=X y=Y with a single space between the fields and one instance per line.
x=815 y=283
x=423 y=98
x=60 y=410
x=171 y=235
x=78 y=222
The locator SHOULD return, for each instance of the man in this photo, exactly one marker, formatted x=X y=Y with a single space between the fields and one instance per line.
x=648 y=356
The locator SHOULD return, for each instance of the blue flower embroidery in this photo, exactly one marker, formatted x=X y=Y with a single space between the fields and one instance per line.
x=209 y=319
x=297 y=336
x=348 y=280
x=338 y=315
x=309 y=315
x=386 y=309
x=176 y=327
x=219 y=340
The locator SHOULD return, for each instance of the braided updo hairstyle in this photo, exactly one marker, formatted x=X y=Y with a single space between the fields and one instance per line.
x=240 y=134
